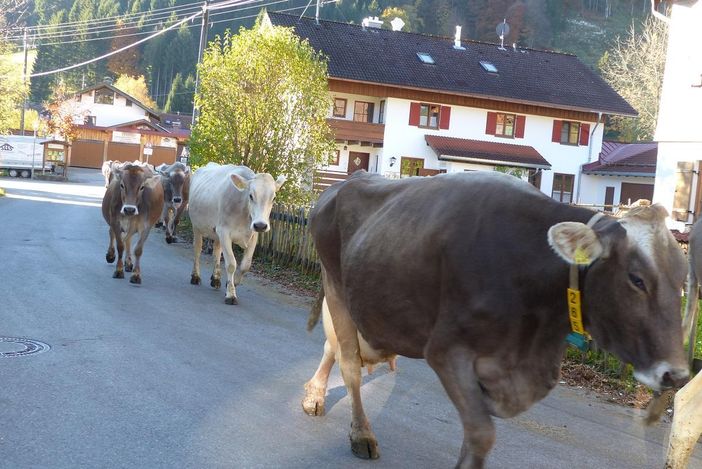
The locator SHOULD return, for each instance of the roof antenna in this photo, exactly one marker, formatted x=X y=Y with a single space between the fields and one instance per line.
x=502 y=30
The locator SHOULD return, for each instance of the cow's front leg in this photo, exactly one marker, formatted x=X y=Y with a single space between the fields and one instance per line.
x=110 y=256
x=316 y=388
x=128 y=264
x=230 y=264
x=363 y=442
x=119 y=268
x=245 y=263
x=170 y=227
x=138 y=250
x=454 y=366
x=197 y=251
x=216 y=278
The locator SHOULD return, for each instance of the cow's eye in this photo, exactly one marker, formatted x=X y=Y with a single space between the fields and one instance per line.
x=637 y=282
x=141 y=188
x=121 y=185
x=251 y=197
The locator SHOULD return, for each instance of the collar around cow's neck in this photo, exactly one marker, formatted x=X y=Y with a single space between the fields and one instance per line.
x=578 y=336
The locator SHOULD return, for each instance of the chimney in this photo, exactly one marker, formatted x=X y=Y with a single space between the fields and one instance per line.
x=372 y=22
x=457 y=40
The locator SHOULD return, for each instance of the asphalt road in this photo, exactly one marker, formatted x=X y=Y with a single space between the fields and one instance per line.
x=165 y=375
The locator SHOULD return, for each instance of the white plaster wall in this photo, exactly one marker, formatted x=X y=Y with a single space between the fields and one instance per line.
x=401 y=139
x=678 y=129
x=109 y=114
x=592 y=191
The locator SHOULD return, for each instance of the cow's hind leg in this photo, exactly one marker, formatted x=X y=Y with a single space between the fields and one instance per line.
x=316 y=388
x=110 y=256
x=230 y=263
x=454 y=366
x=245 y=263
x=197 y=251
x=216 y=278
x=363 y=441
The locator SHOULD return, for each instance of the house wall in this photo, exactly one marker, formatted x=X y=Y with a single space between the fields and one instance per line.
x=108 y=114
x=593 y=187
x=678 y=129
x=401 y=139
x=345 y=150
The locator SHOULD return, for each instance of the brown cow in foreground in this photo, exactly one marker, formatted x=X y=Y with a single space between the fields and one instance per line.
x=132 y=204
x=470 y=271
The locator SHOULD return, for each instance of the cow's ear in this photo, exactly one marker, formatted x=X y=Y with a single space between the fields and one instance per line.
x=279 y=182
x=575 y=242
x=239 y=182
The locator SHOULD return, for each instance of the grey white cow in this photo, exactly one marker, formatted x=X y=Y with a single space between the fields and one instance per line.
x=229 y=204
x=175 y=179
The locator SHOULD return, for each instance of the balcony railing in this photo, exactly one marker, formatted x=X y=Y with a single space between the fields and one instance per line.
x=362 y=132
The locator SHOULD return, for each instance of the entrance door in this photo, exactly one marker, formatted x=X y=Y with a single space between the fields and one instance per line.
x=358 y=161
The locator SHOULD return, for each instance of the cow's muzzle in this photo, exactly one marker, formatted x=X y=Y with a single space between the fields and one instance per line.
x=177 y=200
x=260 y=226
x=130 y=210
x=662 y=376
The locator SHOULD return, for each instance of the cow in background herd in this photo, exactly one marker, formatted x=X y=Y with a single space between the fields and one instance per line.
x=132 y=204
x=175 y=179
x=229 y=204
x=481 y=290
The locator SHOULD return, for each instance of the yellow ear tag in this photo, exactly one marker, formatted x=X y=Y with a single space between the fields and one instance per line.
x=581 y=257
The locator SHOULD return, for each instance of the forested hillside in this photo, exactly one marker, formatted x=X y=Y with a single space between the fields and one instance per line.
x=583 y=27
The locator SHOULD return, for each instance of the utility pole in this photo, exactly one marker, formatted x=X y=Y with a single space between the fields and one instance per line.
x=24 y=78
x=200 y=53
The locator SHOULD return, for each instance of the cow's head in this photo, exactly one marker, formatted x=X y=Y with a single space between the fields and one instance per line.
x=631 y=291
x=259 y=193
x=179 y=177
x=132 y=180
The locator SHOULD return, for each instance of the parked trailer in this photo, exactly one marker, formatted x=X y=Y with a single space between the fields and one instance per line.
x=19 y=155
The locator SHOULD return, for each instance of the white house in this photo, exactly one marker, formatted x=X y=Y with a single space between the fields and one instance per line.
x=408 y=104
x=104 y=105
x=678 y=132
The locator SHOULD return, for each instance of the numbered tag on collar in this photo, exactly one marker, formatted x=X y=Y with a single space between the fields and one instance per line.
x=574 y=312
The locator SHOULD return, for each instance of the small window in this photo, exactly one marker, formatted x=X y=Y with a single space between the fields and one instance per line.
x=410 y=167
x=79 y=97
x=89 y=120
x=429 y=115
x=129 y=103
x=426 y=58
x=505 y=125
x=104 y=96
x=488 y=66
x=570 y=133
x=381 y=112
x=334 y=158
x=562 y=188
x=339 y=107
x=363 y=112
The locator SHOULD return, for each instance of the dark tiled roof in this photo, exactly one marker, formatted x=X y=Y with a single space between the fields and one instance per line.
x=478 y=151
x=625 y=159
x=524 y=76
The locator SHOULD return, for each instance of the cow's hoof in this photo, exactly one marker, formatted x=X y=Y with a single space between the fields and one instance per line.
x=313 y=402
x=170 y=239
x=158 y=224
x=110 y=257
x=194 y=279
x=135 y=278
x=231 y=300
x=128 y=266
x=118 y=274
x=364 y=446
x=215 y=282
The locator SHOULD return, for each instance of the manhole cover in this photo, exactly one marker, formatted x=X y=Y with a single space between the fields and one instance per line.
x=11 y=347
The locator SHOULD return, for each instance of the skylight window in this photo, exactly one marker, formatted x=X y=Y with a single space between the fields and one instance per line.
x=426 y=58
x=488 y=66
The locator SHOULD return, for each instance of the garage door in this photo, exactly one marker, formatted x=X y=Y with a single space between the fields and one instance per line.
x=86 y=154
x=122 y=151
x=632 y=192
x=162 y=155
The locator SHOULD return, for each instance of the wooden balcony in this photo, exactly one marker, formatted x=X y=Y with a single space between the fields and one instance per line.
x=361 y=133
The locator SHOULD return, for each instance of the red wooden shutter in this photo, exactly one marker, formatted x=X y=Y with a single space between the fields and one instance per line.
x=584 y=134
x=445 y=117
x=519 y=130
x=556 y=136
x=491 y=126
x=414 y=113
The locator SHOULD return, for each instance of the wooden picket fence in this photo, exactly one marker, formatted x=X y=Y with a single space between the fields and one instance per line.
x=288 y=243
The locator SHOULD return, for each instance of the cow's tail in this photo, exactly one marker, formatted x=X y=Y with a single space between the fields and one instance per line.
x=690 y=318
x=316 y=310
